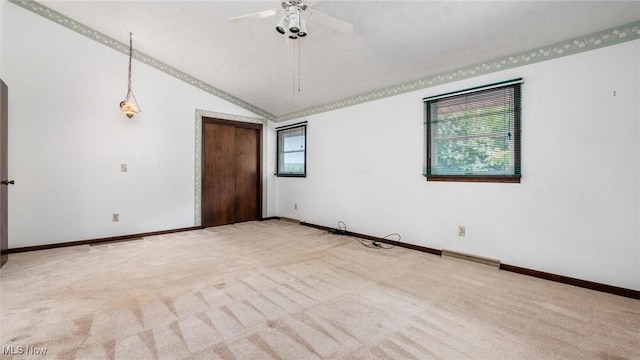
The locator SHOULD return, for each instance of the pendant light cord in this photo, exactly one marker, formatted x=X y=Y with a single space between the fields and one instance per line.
x=130 y=56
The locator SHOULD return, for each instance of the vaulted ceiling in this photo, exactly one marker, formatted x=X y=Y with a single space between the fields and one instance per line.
x=392 y=42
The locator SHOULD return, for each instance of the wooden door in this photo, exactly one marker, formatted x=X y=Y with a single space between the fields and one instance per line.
x=247 y=175
x=4 y=235
x=231 y=172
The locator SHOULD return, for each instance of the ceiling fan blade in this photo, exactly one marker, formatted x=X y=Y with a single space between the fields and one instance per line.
x=311 y=3
x=258 y=15
x=330 y=21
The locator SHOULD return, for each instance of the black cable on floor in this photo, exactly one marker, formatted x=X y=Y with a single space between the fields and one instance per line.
x=372 y=244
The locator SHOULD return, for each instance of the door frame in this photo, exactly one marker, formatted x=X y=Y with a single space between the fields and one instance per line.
x=199 y=116
x=4 y=173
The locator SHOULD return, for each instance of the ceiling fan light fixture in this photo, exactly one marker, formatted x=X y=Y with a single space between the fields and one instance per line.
x=282 y=25
x=294 y=19
x=303 y=27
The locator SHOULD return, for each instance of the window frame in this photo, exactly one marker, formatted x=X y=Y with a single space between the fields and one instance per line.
x=279 y=132
x=517 y=133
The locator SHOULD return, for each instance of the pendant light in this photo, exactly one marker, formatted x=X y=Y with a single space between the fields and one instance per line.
x=129 y=105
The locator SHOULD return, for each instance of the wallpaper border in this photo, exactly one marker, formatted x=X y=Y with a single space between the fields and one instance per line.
x=82 y=29
x=616 y=35
x=612 y=36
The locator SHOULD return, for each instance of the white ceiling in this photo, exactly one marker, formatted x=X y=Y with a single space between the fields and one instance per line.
x=392 y=42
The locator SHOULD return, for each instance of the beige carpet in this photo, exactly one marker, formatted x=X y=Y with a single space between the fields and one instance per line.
x=279 y=290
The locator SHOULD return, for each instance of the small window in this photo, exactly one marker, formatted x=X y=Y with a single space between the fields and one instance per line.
x=474 y=134
x=292 y=151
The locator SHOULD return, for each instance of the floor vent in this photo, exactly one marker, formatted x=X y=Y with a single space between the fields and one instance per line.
x=474 y=258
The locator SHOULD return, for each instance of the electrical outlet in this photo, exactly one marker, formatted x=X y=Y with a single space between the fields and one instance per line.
x=116 y=217
x=462 y=231
x=123 y=167
x=295 y=206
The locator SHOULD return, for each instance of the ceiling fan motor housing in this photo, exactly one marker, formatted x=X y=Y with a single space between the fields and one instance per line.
x=300 y=4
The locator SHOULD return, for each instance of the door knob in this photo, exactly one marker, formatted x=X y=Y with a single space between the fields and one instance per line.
x=8 y=182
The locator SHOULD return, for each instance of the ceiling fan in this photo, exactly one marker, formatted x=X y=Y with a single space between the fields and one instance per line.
x=293 y=21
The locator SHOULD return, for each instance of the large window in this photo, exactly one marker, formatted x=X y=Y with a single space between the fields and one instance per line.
x=474 y=134
x=292 y=150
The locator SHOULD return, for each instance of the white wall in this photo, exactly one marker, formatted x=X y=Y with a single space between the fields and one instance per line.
x=2 y=39
x=67 y=138
x=575 y=213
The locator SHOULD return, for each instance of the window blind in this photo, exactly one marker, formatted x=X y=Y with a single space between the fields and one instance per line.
x=474 y=132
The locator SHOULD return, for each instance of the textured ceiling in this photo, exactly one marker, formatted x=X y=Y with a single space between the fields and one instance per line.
x=392 y=42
